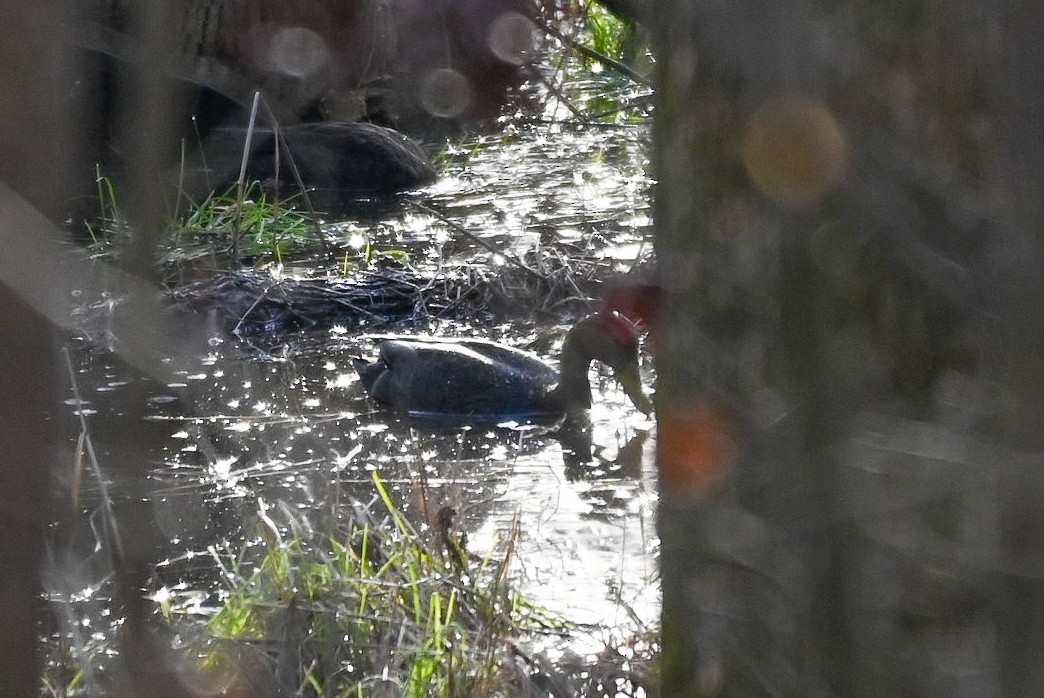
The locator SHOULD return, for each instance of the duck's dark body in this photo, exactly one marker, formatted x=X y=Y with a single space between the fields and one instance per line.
x=477 y=380
x=443 y=378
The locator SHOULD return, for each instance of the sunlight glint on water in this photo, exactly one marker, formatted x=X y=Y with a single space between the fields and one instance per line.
x=288 y=423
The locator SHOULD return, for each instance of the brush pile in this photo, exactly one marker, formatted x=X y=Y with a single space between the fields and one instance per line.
x=249 y=303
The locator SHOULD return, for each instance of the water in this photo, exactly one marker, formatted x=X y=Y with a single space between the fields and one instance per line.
x=279 y=427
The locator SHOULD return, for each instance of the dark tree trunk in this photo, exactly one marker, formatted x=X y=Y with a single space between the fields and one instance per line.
x=1019 y=209
x=33 y=155
x=850 y=383
x=28 y=398
x=40 y=156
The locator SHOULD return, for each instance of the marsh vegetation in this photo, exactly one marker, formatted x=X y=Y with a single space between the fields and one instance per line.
x=304 y=540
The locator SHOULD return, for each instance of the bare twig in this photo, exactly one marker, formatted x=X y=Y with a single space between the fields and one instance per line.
x=85 y=439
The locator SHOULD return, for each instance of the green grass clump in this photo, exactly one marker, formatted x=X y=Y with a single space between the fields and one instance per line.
x=609 y=35
x=251 y=226
x=236 y=228
x=374 y=609
x=247 y=226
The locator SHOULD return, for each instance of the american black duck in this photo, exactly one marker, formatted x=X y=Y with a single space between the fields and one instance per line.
x=478 y=380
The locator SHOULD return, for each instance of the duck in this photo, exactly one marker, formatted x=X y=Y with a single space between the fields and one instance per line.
x=476 y=380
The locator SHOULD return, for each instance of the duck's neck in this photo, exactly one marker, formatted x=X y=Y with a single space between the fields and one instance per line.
x=573 y=391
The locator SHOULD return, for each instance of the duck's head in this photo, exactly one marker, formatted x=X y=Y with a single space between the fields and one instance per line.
x=638 y=301
x=612 y=339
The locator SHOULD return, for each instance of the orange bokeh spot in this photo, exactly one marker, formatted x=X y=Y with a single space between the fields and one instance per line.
x=795 y=151
x=695 y=447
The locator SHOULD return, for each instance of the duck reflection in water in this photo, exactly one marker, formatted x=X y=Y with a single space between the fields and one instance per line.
x=585 y=460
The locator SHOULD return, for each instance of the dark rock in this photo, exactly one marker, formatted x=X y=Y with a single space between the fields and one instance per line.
x=337 y=162
x=628 y=10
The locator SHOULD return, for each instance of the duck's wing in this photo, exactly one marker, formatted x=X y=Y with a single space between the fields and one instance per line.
x=428 y=377
x=484 y=347
x=437 y=352
x=508 y=357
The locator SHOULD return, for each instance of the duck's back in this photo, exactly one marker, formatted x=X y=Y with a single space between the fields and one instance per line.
x=478 y=379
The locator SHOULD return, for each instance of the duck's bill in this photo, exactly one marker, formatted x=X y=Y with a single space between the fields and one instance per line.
x=631 y=381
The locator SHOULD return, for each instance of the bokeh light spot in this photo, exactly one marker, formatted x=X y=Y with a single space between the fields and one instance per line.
x=513 y=38
x=297 y=51
x=446 y=93
x=695 y=446
x=795 y=151
x=214 y=675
